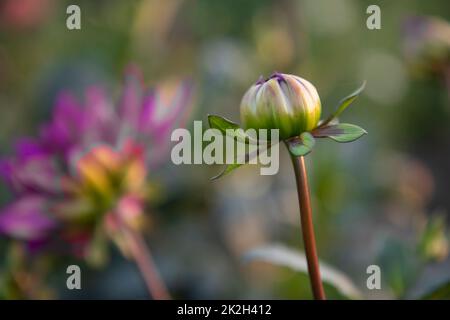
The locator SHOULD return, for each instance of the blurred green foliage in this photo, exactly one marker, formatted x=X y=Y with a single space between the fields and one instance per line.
x=372 y=199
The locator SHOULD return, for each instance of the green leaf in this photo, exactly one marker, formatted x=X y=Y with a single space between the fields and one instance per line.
x=399 y=264
x=344 y=103
x=433 y=243
x=343 y=132
x=230 y=167
x=97 y=250
x=223 y=124
x=441 y=292
x=227 y=170
x=296 y=260
x=301 y=145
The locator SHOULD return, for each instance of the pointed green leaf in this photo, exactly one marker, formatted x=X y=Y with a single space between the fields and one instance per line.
x=233 y=130
x=399 y=264
x=343 y=132
x=296 y=260
x=344 y=103
x=302 y=145
x=433 y=243
x=248 y=156
x=223 y=124
x=227 y=170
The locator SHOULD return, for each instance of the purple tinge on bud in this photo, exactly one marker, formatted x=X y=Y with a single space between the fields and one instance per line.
x=26 y=219
x=261 y=80
x=276 y=75
x=285 y=102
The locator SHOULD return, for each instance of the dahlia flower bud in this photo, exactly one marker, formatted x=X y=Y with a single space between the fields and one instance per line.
x=283 y=101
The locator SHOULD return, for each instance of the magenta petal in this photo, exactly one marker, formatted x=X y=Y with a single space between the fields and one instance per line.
x=28 y=147
x=38 y=175
x=26 y=219
x=30 y=170
x=171 y=114
x=131 y=100
x=148 y=109
x=100 y=123
x=161 y=116
x=176 y=111
x=63 y=131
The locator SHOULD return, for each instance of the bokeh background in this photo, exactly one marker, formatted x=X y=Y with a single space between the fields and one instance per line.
x=381 y=200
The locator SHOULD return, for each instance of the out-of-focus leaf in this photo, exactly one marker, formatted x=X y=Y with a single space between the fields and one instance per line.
x=399 y=264
x=433 y=244
x=344 y=103
x=296 y=260
x=301 y=145
x=97 y=251
x=441 y=292
x=343 y=132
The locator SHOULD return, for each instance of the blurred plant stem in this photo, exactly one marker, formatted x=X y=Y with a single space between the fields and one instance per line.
x=143 y=259
x=308 y=227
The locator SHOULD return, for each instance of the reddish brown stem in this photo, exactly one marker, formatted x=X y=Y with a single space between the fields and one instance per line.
x=145 y=263
x=308 y=227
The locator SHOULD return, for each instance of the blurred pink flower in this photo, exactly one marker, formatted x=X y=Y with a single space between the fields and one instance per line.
x=426 y=43
x=90 y=160
x=24 y=14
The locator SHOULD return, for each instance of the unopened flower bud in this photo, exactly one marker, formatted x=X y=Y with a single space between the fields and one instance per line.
x=285 y=102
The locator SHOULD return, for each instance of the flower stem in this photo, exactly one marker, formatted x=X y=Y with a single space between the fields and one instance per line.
x=144 y=261
x=308 y=227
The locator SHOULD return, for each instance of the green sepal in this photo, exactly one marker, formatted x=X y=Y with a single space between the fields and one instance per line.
x=223 y=124
x=342 y=132
x=301 y=145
